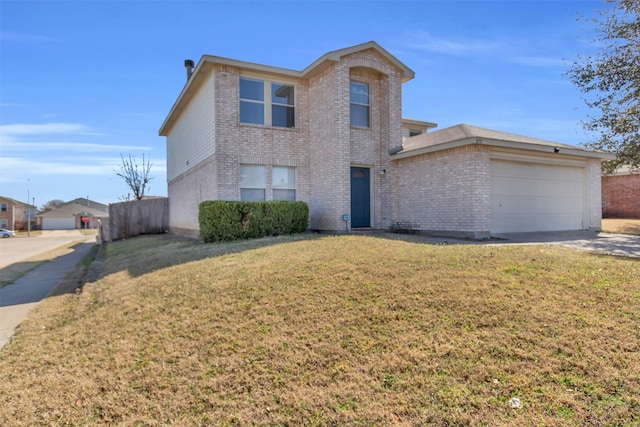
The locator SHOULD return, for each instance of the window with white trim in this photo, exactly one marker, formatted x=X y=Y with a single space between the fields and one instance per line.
x=264 y=101
x=284 y=183
x=4 y=223
x=252 y=183
x=4 y=207
x=359 y=104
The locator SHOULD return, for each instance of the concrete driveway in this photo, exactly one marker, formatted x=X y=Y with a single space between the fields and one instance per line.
x=604 y=243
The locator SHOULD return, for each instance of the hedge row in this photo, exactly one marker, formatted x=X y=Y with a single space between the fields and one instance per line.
x=230 y=220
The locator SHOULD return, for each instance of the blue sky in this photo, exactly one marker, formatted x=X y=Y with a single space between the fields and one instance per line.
x=84 y=82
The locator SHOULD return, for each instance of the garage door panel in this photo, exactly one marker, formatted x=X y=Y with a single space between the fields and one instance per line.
x=535 y=197
x=512 y=187
x=538 y=205
x=535 y=223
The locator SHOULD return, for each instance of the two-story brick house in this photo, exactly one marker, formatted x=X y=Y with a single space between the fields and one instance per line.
x=15 y=215
x=333 y=135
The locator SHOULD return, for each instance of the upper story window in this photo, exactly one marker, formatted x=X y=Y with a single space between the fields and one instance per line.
x=414 y=132
x=266 y=102
x=359 y=103
x=4 y=207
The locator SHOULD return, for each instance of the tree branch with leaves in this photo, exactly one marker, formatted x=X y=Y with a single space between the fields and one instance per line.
x=610 y=82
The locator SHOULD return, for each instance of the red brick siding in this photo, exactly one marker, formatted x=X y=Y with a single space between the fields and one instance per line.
x=621 y=196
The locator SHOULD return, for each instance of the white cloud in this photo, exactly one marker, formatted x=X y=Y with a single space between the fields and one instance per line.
x=458 y=46
x=13 y=167
x=13 y=138
x=44 y=128
x=10 y=144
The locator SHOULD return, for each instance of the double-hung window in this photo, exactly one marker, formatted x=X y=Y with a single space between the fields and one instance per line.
x=359 y=104
x=252 y=183
x=284 y=183
x=251 y=101
x=266 y=102
x=4 y=207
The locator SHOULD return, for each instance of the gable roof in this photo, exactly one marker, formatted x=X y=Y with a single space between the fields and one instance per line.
x=70 y=210
x=87 y=202
x=337 y=55
x=207 y=61
x=16 y=202
x=463 y=134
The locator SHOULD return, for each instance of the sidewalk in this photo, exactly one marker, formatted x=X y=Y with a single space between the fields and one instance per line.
x=18 y=298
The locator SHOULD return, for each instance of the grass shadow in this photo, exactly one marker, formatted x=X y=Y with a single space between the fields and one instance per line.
x=155 y=252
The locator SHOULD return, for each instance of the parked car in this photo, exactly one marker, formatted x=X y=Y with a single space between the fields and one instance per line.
x=7 y=233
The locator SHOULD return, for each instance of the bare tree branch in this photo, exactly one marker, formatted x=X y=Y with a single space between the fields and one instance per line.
x=136 y=178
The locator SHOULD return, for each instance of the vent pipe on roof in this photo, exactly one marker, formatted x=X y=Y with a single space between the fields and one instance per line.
x=188 y=64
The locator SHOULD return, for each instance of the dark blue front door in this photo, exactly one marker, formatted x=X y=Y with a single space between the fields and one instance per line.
x=360 y=197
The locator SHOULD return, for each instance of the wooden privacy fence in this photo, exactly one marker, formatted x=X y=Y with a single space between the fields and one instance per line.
x=129 y=219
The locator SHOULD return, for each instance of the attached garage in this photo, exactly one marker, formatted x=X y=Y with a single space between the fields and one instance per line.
x=473 y=182
x=536 y=197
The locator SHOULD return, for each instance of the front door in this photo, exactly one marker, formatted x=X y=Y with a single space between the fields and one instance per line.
x=360 y=197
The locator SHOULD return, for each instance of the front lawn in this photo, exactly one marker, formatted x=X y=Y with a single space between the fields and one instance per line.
x=333 y=330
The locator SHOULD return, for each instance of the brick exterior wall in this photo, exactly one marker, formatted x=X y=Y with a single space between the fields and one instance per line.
x=186 y=192
x=322 y=146
x=8 y=216
x=446 y=191
x=16 y=214
x=455 y=199
x=329 y=150
x=595 y=194
x=621 y=196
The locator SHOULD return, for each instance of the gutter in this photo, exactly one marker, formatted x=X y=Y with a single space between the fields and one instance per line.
x=561 y=149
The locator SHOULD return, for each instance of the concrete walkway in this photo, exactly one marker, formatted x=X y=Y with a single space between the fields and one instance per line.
x=18 y=298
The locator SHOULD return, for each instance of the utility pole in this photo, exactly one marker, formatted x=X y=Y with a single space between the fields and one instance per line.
x=28 y=211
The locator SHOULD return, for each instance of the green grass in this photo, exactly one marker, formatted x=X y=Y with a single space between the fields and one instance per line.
x=346 y=330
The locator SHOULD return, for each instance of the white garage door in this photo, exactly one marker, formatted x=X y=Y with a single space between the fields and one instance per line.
x=58 y=223
x=535 y=197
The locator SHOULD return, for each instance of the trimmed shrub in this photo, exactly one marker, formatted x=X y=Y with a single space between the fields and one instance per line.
x=231 y=220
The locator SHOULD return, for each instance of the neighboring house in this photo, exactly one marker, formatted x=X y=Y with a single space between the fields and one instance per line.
x=76 y=214
x=621 y=194
x=14 y=215
x=333 y=136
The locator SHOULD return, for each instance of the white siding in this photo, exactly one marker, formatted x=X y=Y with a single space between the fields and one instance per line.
x=192 y=138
